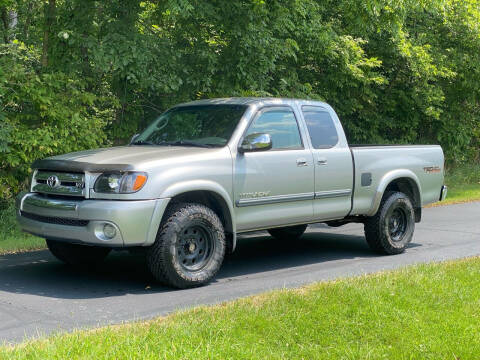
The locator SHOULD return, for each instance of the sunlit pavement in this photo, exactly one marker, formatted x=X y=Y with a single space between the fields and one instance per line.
x=39 y=295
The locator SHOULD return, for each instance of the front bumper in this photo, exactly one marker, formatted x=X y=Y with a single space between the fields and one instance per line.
x=82 y=221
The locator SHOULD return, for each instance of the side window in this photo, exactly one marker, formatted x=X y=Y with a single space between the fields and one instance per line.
x=320 y=126
x=282 y=126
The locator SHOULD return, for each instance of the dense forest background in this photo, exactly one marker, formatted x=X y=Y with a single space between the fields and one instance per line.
x=80 y=74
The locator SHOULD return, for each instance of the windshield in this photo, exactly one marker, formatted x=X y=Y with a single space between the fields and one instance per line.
x=200 y=125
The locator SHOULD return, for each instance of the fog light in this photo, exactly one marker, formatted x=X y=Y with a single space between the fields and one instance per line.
x=109 y=231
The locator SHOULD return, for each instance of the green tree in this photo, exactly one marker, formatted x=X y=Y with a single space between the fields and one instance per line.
x=396 y=71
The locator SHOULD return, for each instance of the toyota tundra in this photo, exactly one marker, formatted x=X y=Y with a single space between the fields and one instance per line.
x=205 y=171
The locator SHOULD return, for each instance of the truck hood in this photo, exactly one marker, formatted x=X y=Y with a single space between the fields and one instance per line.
x=119 y=158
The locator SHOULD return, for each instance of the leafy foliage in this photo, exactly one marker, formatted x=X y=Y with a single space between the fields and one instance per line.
x=43 y=114
x=403 y=71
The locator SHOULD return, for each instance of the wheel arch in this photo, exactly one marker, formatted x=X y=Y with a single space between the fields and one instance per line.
x=211 y=195
x=402 y=180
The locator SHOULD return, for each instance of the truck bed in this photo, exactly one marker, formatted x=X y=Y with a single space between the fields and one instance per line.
x=375 y=164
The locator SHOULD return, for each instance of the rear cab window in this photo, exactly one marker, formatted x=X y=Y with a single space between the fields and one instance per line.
x=321 y=127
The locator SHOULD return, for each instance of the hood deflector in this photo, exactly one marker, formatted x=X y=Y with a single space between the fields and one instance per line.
x=78 y=166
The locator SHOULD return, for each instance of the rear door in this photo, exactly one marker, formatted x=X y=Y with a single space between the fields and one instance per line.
x=333 y=164
x=274 y=187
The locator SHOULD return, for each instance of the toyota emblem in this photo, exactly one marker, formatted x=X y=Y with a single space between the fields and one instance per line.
x=53 y=181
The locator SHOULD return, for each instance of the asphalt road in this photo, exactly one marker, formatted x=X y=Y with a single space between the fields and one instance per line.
x=39 y=295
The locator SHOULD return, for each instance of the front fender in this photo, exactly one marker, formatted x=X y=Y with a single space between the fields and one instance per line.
x=204 y=185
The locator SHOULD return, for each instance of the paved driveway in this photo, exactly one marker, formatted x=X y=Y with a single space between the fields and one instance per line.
x=39 y=295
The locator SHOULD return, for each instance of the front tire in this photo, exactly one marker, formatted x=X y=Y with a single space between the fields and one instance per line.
x=390 y=230
x=288 y=233
x=77 y=255
x=189 y=248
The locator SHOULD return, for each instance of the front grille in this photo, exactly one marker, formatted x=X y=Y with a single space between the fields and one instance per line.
x=59 y=183
x=54 y=220
x=64 y=183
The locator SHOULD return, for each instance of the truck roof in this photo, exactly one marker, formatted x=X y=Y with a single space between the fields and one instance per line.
x=250 y=101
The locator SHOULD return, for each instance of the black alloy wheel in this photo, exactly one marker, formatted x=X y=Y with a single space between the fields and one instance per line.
x=391 y=229
x=189 y=248
x=397 y=224
x=195 y=247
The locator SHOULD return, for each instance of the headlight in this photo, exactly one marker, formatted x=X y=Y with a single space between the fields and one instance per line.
x=120 y=183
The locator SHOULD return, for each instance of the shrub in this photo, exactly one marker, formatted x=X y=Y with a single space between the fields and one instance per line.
x=43 y=114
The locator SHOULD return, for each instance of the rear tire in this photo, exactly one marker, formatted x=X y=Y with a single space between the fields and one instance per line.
x=189 y=248
x=288 y=233
x=391 y=229
x=77 y=255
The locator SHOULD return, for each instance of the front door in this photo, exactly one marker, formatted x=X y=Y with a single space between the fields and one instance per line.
x=274 y=187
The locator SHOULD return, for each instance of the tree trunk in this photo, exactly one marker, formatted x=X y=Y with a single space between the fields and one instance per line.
x=5 y=22
x=47 y=31
x=32 y=9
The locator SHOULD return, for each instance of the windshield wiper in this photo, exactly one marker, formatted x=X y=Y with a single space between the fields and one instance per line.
x=141 y=142
x=189 y=143
x=176 y=143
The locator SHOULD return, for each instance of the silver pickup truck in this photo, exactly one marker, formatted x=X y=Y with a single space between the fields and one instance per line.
x=208 y=170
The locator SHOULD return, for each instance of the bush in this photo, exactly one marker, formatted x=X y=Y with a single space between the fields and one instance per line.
x=43 y=114
x=403 y=71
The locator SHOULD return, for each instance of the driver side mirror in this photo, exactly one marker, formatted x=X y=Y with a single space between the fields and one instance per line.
x=256 y=142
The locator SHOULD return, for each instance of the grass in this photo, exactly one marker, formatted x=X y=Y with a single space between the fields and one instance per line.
x=422 y=312
x=463 y=184
x=11 y=238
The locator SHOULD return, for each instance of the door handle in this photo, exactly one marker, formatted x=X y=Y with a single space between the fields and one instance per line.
x=302 y=162
x=322 y=161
